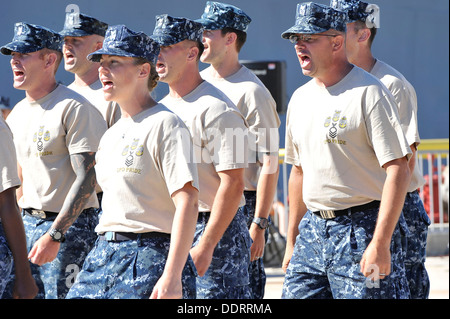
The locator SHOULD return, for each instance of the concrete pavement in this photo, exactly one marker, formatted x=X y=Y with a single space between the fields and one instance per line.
x=437 y=267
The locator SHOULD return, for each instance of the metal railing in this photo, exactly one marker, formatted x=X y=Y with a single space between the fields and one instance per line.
x=432 y=156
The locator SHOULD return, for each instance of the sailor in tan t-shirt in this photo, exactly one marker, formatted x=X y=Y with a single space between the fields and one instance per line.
x=221 y=251
x=343 y=138
x=13 y=248
x=56 y=133
x=225 y=34
x=149 y=181
x=364 y=21
x=83 y=35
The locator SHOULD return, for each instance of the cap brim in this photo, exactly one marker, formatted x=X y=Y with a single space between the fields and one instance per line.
x=74 y=33
x=307 y=29
x=97 y=55
x=165 y=40
x=18 y=46
x=208 y=24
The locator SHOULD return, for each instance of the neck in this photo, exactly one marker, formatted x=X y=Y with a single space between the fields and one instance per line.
x=364 y=59
x=225 y=68
x=335 y=74
x=136 y=104
x=43 y=89
x=88 y=78
x=187 y=83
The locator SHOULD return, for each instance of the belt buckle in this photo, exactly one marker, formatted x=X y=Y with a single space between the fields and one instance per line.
x=110 y=236
x=38 y=213
x=327 y=214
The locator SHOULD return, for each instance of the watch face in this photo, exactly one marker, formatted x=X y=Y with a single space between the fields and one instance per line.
x=57 y=235
x=264 y=223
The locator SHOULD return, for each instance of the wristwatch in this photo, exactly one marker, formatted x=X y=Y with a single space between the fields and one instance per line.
x=262 y=223
x=57 y=235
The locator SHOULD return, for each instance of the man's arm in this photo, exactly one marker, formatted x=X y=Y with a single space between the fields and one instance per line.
x=265 y=192
x=224 y=209
x=45 y=249
x=378 y=253
x=297 y=209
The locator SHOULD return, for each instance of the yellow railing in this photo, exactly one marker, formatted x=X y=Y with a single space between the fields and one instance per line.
x=432 y=157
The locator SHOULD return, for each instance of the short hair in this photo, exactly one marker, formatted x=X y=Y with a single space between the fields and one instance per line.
x=241 y=37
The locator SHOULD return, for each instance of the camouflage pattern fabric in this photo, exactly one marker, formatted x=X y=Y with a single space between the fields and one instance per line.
x=218 y=16
x=256 y=271
x=227 y=277
x=418 y=221
x=325 y=262
x=356 y=10
x=6 y=261
x=172 y=30
x=31 y=38
x=79 y=25
x=55 y=279
x=312 y=18
x=127 y=270
x=121 y=41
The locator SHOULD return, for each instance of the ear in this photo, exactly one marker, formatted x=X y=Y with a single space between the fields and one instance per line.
x=144 y=70
x=364 y=35
x=231 y=38
x=338 y=42
x=98 y=45
x=50 y=59
x=193 y=53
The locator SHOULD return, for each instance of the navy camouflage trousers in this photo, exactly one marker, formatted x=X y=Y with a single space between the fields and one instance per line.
x=418 y=221
x=6 y=261
x=326 y=260
x=127 y=270
x=55 y=279
x=227 y=277
x=256 y=269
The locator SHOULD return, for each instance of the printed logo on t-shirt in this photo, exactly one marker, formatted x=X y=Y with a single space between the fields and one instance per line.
x=334 y=124
x=40 y=138
x=131 y=153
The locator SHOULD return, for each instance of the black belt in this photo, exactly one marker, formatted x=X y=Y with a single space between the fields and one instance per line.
x=330 y=214
x=124 y=236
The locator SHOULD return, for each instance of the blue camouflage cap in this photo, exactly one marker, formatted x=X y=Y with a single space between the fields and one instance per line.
x=80 y=25
x=171 y=30
x=121 y=41
x=31 y=38
x=359 y=11
x=218 y=16
x=312 y=18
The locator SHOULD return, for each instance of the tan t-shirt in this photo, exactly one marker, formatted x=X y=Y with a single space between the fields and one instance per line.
x=406 y=99
x=8 y=161
x=94 y=94
x=46 y=132
x=257 y=105
x=141 y=162
x=341 y=136
x=219 y=133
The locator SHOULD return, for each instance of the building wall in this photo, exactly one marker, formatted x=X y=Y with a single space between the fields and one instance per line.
x=414 y=38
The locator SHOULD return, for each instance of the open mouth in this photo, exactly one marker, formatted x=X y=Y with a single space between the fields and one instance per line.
x=107 y=84
x=18 y=74
x=305 y=60
x=160 y=67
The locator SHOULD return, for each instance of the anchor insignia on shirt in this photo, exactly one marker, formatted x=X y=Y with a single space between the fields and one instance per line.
x=41 y=136
x=335 y=123
x=131 y=151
